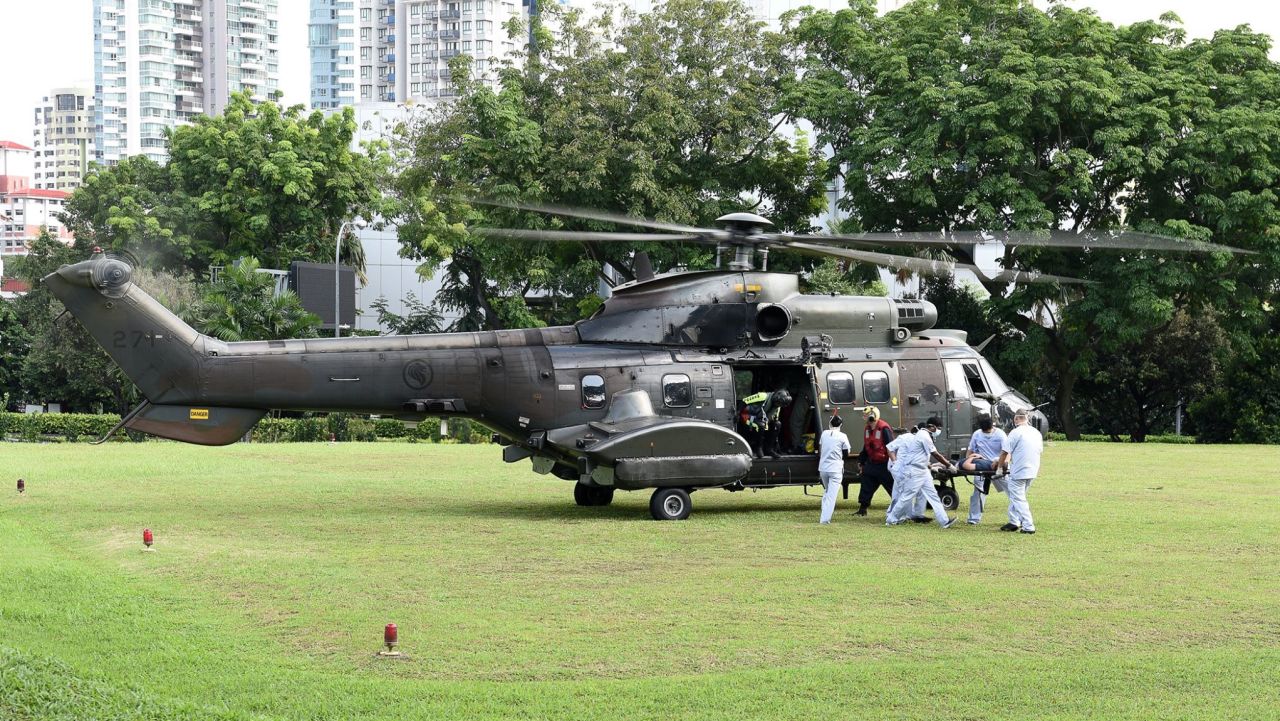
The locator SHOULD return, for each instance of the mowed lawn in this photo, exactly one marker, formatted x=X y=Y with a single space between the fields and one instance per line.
x=1152 y=591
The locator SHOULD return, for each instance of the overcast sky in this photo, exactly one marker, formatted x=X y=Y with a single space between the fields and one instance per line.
x=49 y=43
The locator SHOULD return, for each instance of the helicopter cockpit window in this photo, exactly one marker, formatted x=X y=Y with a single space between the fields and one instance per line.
x=998 y=386
x=975 y=378
x=593 y=392
x=840 y=387
x=875 y=387
x=676 y=390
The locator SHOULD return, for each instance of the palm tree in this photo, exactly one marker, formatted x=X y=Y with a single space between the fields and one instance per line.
x=243 y=305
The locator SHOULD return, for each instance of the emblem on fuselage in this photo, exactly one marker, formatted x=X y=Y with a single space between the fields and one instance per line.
x=417 y=374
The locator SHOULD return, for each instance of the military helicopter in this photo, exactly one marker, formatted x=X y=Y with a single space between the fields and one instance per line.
x=641 y=395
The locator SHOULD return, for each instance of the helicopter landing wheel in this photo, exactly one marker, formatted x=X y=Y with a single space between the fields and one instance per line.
x=670 y=504
x=950 y=499
x=585 y=495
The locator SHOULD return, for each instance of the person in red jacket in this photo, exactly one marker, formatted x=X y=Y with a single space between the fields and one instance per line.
x=876 y=435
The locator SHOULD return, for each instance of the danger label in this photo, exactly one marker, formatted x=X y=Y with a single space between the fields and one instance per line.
x=199 y=414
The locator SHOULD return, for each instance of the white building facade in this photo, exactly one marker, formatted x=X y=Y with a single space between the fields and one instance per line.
x=63 y=141
x=159 y=63
x=25 y=210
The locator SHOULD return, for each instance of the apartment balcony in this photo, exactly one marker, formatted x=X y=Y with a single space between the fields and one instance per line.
x=189 y=16
x=251 y=4
x=252 y=80
x=251 y=19
x=431 y=34
x=391 y=19
x=450 y=14
x=450 y=34
x=252 y=32
x=389 y=58
x=391 y=77
x=391 y=38
x=254 y=65
x=252 y=49
x=446 y=54
x=186 y=60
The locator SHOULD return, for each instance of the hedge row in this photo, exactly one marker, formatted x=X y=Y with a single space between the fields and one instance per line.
x=343 y=427
x=1103 y=438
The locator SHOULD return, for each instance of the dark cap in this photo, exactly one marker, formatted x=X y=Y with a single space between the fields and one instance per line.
x=836 y=422
x=934 y=421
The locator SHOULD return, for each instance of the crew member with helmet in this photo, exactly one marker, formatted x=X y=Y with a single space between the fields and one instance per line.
x=763 y=415
x=833 y=450
x=874 y=458
x=984 y=454
x=912 y=452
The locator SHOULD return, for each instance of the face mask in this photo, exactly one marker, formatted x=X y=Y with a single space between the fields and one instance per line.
x=936 y=432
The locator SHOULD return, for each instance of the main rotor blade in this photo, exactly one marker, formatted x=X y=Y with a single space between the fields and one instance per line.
x=926 y=266
x=584 y=235
x=1099 y=239
x=590 y=214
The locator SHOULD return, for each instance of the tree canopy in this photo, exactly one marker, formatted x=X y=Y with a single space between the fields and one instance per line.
x=254 y=181
x=996 y=115
x=667 y=115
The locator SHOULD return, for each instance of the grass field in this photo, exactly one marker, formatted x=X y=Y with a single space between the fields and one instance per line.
x=1152 y=590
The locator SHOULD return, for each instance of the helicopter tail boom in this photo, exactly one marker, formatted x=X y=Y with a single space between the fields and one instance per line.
x=155 y=348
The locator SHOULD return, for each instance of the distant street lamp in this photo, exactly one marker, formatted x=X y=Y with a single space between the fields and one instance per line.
x=337 y=293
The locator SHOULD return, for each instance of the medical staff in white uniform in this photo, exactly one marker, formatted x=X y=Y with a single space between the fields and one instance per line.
x=1021 y=452
x=985 y=446
x=911 y=458
x=900 y=485
x=833 y=449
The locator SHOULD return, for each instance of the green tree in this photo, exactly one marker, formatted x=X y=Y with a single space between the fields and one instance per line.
x=62 y=363
x=15 y=343
x=257 y=180
x=993 y=114
x=243 y=305
x=668 y=115
x=420 y=318
x=1135 y=389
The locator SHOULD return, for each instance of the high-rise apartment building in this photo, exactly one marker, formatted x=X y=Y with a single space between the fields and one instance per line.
x=63 y=142
x=398 y=50
x=159 y=63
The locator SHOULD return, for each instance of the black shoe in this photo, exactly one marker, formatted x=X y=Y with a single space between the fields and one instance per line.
x=1026 y=531
x=861 y=511
x=1010 y=527
x=919 y=519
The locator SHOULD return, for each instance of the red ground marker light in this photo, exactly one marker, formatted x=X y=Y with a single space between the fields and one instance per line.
x=390 y=637
x=22 y=485
x=147 y=538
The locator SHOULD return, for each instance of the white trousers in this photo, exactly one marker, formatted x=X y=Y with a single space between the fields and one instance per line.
x=978 y=499
x=1019 y=509
x=831 y=482
x=917 y=489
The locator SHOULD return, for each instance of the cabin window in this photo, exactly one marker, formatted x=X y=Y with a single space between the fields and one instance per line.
x=840 y=387
x=875 y=387
x=975 y=378
x=593 y=392
x=676 y=390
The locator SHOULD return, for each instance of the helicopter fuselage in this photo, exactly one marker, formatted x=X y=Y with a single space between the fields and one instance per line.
x=644 y=394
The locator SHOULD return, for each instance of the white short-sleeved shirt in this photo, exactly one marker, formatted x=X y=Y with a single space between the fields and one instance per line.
x=831 y=451
x=913 y=451
x=987 y=445
x=1024 y=445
